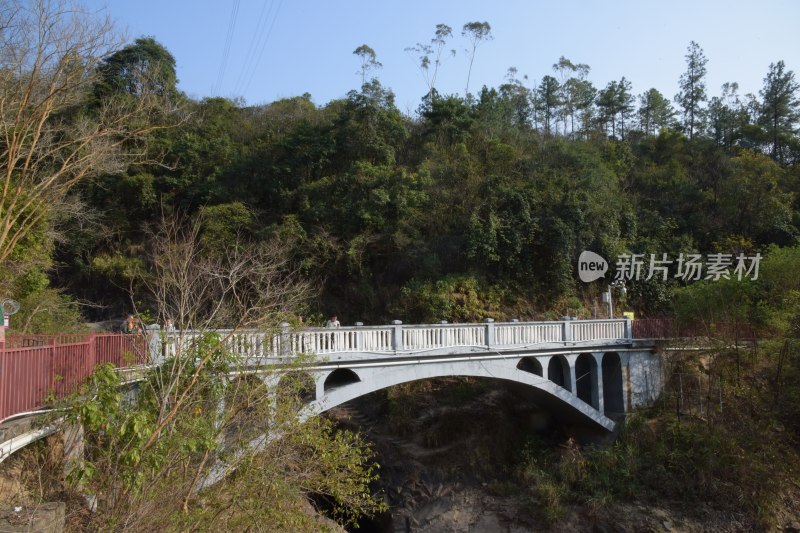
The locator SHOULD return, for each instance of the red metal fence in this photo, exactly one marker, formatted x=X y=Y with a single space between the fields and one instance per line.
x=652 y=328
x=14 y=340
x=34 y=366
x=666 y=328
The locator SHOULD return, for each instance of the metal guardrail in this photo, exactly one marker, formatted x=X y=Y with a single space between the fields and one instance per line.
x=34 y=367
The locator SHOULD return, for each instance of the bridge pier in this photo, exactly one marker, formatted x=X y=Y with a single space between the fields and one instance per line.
x=597 y=389
x=644 y=378
x=627 y=387
x=319 y=379
x=220 y=410
x=573 y=379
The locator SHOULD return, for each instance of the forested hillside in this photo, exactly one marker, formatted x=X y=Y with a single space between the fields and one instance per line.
x=121 y=194
x=473 y=206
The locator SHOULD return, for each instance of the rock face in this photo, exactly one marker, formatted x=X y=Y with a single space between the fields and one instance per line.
x=43 y=518
x=445 y=454
x=471 y=509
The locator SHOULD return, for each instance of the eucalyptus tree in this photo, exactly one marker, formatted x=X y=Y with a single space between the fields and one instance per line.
x=369 y=61
x=430 y=55
x=518 y=97
x=476 y=32
x=573 y=86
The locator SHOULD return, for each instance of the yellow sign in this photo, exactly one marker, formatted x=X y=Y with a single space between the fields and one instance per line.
x=628 y=314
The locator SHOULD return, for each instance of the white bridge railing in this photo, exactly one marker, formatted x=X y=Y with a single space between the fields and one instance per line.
x=400 y=338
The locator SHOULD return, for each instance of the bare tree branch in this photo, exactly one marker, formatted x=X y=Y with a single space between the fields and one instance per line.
x=53 y=134
x=240 y=285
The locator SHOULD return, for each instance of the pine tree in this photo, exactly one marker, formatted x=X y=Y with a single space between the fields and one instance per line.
x=693 y=89
x=780 y=107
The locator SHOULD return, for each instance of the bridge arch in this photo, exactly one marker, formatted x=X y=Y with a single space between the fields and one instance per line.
x=586 y=379
x=613 y=394
x=548 y=394
x=339 y=378
x=530 y=365
x=558 y=371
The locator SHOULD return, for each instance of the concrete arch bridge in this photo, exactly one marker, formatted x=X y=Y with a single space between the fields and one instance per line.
x=585 y=371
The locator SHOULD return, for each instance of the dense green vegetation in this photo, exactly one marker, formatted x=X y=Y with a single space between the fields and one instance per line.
x=723 y=435
x=471 y=207
x=477 y=205
x=144 y=458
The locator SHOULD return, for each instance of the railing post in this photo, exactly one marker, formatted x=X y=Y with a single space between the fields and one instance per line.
x=52 y=366
x=628 y=329
x=284 y=347
x=397 y=335
x=489 y=331
x=92 y=352
x=358 y=340
x=566 y=331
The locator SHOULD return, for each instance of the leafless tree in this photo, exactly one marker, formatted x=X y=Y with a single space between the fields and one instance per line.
x=50 y=137
x=235 y=285
x=232 y=285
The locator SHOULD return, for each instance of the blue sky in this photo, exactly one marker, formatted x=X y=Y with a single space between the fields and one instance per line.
x=310 y=45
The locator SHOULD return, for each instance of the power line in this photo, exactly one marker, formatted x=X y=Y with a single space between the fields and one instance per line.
x=263 y=47
x=251 y=50
x=227 y=47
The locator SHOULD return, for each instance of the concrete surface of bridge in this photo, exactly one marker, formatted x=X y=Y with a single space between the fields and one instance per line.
x=586 y=371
